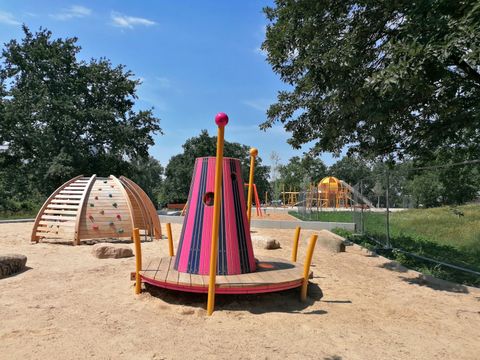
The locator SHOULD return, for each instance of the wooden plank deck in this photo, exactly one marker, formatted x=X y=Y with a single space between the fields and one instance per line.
x=271 y=275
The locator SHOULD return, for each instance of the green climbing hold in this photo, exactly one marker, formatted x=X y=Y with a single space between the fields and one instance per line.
x=92 y=205
x=111 y=223
x=114 y=205
x=120 y=231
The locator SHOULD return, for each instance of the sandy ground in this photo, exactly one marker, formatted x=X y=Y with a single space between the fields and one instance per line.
x=70 y=305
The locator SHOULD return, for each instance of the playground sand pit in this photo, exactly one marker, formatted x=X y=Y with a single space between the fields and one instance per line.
x=273 y=216
x=69 y=304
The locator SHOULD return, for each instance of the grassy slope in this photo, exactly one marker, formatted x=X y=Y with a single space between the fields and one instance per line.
x=17 y=215
x=439 y=225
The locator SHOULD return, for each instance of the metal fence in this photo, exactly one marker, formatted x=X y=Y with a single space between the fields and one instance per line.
x=429 y=215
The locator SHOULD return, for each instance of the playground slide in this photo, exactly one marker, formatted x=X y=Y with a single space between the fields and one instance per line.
x=357 y=194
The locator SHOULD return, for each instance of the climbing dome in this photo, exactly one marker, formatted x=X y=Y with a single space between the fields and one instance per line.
x=333 y=193
x=87 y=208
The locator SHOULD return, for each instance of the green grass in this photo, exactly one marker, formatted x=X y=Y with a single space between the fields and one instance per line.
x=7 y=215
x=436 y=233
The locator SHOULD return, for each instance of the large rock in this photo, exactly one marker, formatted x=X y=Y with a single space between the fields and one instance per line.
x=113 y=251
x=330 y=241
x=266 y=242
x=11 y=264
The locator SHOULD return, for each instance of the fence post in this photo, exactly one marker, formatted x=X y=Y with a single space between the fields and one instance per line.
x=387 y=204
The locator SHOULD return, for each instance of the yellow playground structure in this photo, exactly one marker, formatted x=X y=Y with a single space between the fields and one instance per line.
x=330 y=192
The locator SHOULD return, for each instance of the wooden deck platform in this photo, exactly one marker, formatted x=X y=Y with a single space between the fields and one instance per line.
x=271 y=275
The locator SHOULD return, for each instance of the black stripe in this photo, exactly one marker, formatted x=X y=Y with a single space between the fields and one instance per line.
x=194 y=256
x=222 y=251
x=244 y=264
x=189 y=203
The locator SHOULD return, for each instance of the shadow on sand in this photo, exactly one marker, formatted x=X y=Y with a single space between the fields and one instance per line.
x=436 y=284
x=287 y=301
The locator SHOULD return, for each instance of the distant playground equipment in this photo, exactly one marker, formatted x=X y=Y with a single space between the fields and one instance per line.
x=86 y=208
x=330 y=192
x=215 y=252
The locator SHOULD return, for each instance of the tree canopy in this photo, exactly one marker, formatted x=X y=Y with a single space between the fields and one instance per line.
x=179 y=169
x=387 y=78
x=301 y=171
x=62 y=117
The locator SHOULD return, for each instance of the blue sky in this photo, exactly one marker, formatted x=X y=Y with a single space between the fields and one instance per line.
x=195 y=58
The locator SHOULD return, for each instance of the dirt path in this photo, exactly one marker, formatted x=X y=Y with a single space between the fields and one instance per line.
x=70 y=305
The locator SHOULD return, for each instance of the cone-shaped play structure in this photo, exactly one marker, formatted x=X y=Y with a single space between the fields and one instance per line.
x=235 y=252
x=86 y=208
x=214 y=253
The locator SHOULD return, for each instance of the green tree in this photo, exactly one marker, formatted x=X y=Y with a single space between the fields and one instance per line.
x=426 y=189
x=178 y=172
x=301 y=170
x=62 y=117
x=387 y=78
x=351 y=170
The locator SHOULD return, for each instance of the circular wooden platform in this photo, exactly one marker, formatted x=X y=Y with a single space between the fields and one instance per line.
x=271 y=275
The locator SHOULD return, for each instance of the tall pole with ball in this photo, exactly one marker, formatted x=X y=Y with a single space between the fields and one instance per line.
x=221 y=120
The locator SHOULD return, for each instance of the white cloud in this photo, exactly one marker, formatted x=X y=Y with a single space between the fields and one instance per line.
x=258 y=104
x=129 y=22
x=8 y=18
x=74 y=11
x=164 y=82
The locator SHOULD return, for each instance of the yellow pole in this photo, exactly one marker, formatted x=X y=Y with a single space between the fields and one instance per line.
x=295 y=244
x=306 y=266
x=253 y=155
x=138 y=260
x=221 y=120
x=170 y=239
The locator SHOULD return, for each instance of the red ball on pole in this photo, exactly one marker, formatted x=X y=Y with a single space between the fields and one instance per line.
x=221 y=119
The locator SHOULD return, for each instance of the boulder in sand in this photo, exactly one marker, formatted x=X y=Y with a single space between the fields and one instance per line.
x=266 y=242
x=111 y=251
x=330 y=241
x=11 y=264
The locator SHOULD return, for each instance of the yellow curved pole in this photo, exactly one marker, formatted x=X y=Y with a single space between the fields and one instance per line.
x=306 y=266
x=170 y=238
x=295 y=244
x=138 y=260
x=253 y=155
x=221 y=120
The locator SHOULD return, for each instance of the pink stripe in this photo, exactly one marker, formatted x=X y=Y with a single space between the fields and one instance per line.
x=231 y=227
x=248 y=237
x=189 y=222
x=204 y=265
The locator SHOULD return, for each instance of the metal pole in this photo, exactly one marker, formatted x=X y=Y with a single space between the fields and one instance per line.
x=221 y=120
x=387 y=204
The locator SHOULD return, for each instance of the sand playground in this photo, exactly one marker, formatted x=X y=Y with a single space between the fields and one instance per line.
x=70 y=305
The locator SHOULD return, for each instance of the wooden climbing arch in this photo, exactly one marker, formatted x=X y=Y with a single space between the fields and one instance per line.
x=86 y=208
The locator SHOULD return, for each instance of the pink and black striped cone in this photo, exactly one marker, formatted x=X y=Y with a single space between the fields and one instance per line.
x=235 y=251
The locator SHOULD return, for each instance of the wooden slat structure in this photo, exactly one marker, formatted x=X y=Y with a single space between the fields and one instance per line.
x=271 y=275
x=86 y=208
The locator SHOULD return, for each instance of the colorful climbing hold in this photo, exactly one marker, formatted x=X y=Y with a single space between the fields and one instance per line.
x=110 y=195
x=111 y=223
x=114 y=205
x=104 y=181
x=92 y=204
x=120 y=231
x=96 y=197
x=99 y=189
x=119 y=216
x=102 y=212
x=95 y=227
x=90 y=217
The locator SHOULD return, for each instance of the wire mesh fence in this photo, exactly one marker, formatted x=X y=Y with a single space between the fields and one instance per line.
x=428 y=218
